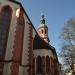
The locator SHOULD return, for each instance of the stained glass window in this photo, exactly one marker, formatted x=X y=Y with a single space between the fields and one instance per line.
x=5 y=18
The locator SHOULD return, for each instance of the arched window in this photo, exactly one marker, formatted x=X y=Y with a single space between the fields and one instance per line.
x=43 y=64
x=42 y=31
x=55 y=66
x=33 y=66
x=5 y=19
x=45 y=31
x=52 y=66
x=47 y=65
x=39 y=65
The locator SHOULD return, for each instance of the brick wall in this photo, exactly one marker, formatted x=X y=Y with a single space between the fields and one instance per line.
x=18 y=44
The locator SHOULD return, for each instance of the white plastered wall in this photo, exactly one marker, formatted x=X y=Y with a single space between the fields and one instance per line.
x=43 y=52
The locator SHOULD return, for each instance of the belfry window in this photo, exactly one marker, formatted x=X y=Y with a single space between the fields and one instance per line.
x=42 y=31
x=45 y=31
x=5 y=18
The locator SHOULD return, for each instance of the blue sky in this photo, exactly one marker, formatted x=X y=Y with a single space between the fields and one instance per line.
x=56 y=13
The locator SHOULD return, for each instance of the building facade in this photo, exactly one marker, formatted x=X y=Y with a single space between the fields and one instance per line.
x=23 y=50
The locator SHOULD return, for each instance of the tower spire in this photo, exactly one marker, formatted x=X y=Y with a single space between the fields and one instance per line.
x=42 y=21
x=43 y=30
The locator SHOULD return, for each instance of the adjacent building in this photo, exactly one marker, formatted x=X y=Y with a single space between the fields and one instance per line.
x=23 y=50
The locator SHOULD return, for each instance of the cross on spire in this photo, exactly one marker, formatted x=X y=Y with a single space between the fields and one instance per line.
x=42 y=21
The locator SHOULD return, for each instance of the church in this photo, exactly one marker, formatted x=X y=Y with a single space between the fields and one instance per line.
x=23 y=49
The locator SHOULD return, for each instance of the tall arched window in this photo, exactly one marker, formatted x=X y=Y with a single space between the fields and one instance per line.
x=33 y=66
x=52 y=66
x=43 y=64
x=47 y=65
x=39 y=65
x=5 y=19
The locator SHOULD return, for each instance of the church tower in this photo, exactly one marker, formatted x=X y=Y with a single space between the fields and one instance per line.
x=44 y=55
x=43 y=30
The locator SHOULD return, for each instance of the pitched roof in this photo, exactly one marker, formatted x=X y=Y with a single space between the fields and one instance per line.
x=39 y=43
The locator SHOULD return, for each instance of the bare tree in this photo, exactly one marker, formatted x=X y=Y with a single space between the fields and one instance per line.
x=68 y=41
